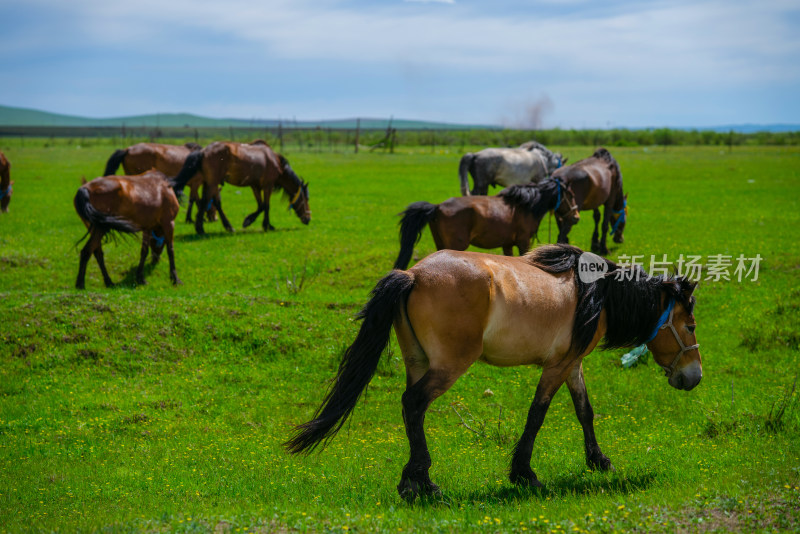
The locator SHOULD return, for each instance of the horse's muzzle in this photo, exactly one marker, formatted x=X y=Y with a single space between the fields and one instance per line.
x=687 y=378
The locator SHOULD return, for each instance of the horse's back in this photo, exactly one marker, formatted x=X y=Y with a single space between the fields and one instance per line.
x=515 y=312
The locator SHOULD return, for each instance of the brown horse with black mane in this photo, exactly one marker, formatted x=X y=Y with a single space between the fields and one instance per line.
x=509 y=219
x=453 y=309
x=595 y=182
x=5 y=183
x=168 y=159
x=253 y=165
x=142 y=203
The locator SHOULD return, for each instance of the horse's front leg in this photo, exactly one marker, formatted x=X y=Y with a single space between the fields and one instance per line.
x=142 y=257
x=595 y=236
x=595 y=458
x=218 y=204
x=266 y=224
x=563 y=231
x=602 y=248
x=250 y=219
x=521 y=472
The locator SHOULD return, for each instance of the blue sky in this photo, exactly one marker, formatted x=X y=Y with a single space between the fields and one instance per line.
x=568 y=63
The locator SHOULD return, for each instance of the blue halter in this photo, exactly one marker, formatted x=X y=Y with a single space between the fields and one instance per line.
x=621 y=217
x=5 y=192
x=558 y=202
x=159 y=240
x=662 y=320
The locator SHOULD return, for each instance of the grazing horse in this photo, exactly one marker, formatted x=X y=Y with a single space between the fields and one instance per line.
x=142 y=203
x=5 y=183
x=168 y=159
x=455 y=308
x=531 y=162
x=596 y=181
x=253 y=165
x=509 y=219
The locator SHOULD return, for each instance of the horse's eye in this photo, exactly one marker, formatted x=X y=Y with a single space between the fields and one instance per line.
x=690 y=328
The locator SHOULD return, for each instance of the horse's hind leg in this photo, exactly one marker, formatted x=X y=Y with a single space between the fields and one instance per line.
x=86 y=253
x=415 y=479
x=169 y=234
x=521 y=472
x=595 y=458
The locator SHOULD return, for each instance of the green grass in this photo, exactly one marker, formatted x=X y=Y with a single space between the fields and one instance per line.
x=163 y=408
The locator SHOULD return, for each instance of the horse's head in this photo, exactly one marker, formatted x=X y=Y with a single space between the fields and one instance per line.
x=299 y=203
x=567 y=210
x=5 y=197
x=618 y=219
x=673 y=343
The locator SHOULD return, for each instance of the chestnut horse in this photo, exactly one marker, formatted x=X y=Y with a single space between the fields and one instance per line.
x=455 y=308
x=509 y=219
x=168 y=159
x=142 y=203
x=596 y=181
x=5 y=183
x=253 y=165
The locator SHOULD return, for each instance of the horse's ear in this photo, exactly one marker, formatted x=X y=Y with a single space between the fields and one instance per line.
x=83 y=179
x=564 y=160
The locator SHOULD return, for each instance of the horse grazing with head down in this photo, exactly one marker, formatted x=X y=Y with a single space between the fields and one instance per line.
x=530 y=162
x=168 y=159
x=5 y=183
x=453 y=309
x=596 y=181
x=253 y=165
x=509 y=219
x=142 y=203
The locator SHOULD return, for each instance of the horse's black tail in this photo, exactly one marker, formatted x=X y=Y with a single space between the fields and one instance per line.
x=115 y=161
x=98 y=219
x=192 y=165
x=463 y=170
x=358 y=364
x=415 y=218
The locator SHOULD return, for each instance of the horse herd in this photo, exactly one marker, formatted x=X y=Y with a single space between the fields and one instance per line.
x=452 y=308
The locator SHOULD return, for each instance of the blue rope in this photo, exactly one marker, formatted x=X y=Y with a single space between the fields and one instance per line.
x=558 y=203
x=661 y=320
x=5 y=192
x=621 y=218
x=210 y=203
x=159 y=240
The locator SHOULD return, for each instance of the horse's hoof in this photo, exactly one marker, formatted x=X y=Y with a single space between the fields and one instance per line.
x=409 y=489
x=177 y=282
x=247 y=222
x=525 y=479
x=229 y=229
x=141 y=282
x=601 y=463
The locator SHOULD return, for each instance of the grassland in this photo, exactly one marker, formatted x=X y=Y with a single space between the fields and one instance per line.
x=163 y=408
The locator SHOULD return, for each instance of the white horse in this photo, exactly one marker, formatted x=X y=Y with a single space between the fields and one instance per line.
x=531 y=162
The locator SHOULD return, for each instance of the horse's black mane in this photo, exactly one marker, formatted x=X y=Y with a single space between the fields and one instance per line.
x=537 y=199
x=288 y=171
x=633 y=306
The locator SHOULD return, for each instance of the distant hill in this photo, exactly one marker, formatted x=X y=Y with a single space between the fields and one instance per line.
x=11 y=116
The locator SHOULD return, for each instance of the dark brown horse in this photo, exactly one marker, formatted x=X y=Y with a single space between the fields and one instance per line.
x=142 y=203
x=168 y=159
x=453 y=309
x=595 y=182
x=507 y=220
x=5 y=183
x=253 y=165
